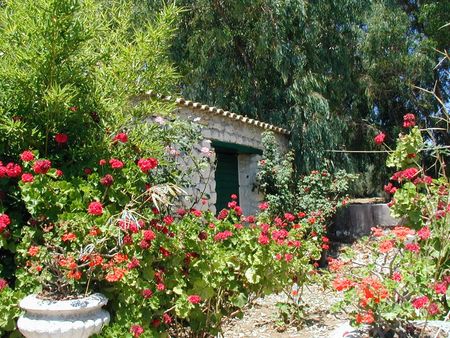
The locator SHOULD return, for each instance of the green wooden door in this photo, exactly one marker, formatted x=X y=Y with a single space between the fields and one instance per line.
x=227 y=177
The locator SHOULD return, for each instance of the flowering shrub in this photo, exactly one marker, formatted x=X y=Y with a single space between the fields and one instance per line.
x=162 y=270
x=407 y=276
x=314 y=197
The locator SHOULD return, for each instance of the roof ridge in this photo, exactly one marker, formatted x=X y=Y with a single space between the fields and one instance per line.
x=182 y=102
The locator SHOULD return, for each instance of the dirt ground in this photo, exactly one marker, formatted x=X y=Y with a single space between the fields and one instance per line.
x=261 y=319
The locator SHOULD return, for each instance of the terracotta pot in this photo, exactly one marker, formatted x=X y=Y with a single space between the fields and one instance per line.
x=74 y=318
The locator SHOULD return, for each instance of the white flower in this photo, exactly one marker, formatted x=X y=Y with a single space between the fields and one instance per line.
x=197 y=119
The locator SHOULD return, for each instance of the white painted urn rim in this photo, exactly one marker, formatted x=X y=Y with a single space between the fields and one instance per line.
x=34 y=304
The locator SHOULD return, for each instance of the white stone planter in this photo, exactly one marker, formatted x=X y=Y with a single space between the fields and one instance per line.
x=75 y=318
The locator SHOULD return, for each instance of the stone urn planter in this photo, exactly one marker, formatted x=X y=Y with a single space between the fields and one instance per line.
x=75 y=318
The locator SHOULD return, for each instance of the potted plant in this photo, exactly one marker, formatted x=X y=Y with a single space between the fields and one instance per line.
x=74 y=244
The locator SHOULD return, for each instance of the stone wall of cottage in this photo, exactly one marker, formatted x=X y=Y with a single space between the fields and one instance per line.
x=222 y=128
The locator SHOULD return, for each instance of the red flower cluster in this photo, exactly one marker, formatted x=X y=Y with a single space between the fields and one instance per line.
x=424 y=233
x=70 y=236
x=116 y=275
x=263 y=206
x=27 y=156
x=194 y=299
x=4 y=222
x=107 y=180
x=222 y=236
x=95 y=208
x=146 y=164
x=11 y=170
x=341 y=284
x=121 y=137
x=390 y=189
x=61 y=138
x=365 y=318
x=33 y=250
x=371 y=288
x=147 y=293
x=136 y=330
x=42 y=166
x=27 y=178
x=386 y=246
x=3 y=284
x=115 y=163
x=420 y=302
x=379 y=139
x=409 y=120
x=407 y=174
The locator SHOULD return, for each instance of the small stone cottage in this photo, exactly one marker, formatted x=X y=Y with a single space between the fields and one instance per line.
x=236 y=144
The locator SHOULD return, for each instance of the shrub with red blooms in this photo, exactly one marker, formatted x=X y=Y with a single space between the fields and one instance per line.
x=179 y=265
x=71 y=120
x=315 y=197
x=409 y=263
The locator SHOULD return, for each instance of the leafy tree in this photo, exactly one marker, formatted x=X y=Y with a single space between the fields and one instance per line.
x=293 y=63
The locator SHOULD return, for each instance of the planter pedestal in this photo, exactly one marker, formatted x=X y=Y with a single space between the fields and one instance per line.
x=75 y=318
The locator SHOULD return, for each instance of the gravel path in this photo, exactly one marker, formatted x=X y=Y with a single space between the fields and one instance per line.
x=261 y=320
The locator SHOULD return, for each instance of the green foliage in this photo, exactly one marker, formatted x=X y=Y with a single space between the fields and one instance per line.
x=325 y=70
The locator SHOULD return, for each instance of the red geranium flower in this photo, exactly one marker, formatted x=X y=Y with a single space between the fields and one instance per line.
x=95 y=208
x=420 y=302
x=33 y=250
x=116 y=275
x=440 y=288
x=74 y=274
x=4 y=222
x=121 y=137
x=13 y=170
x=167 y=319
x=365 y=318
x=115 y=163
x=42 y=166
x=69 y=237
x=379 y=139
x=107 y=180
x=136 y=330
x=146 y=164
x=147 y=293
x=413 y=247
x=149 y=235
x=3 y=284
x=263 y=206
x=340 y=284
x=61 y=138
x=27 y=156
x=27 y=178
x=409 y=120
x=386 y=246
x=424 y=233
x=194 y=299
x=222 y=236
